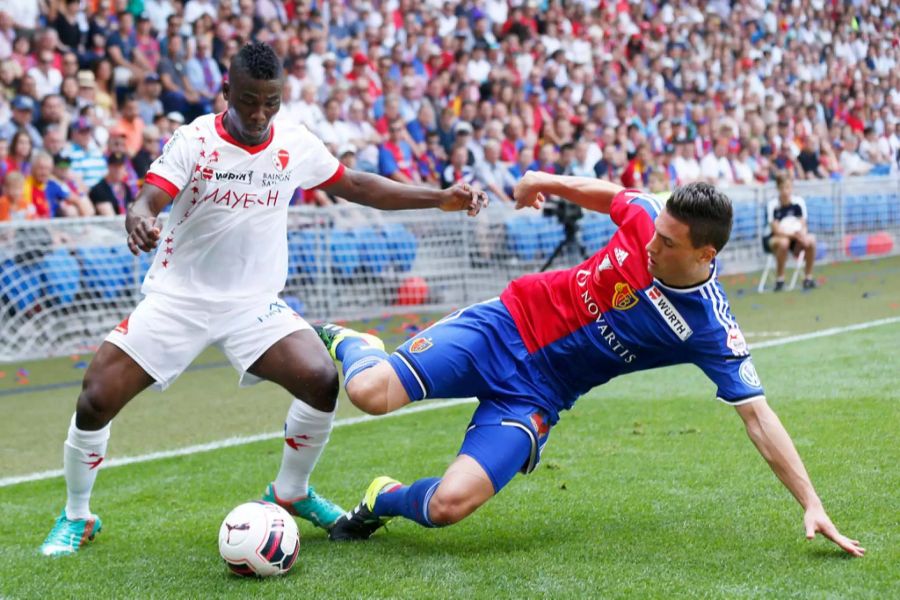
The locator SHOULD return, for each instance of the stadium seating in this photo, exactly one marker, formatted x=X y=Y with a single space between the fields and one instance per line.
x=306 y=249
x=820 y=214
x=522 y=238
x=344 y=252
x=62 y=278
x=107 y=271
x=745 y=227
x=550 y=234
x=596 y=230
x=20 y=285
x=402 y=246
x=374 y=253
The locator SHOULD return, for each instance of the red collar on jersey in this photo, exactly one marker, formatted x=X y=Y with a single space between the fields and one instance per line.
x=223 y=133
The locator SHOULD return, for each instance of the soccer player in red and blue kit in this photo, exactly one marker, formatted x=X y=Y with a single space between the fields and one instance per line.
x=650 y=298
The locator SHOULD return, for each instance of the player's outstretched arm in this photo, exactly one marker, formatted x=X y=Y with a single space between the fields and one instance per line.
x=774 y=443
x=142 y=221
x=587 y=192
x=385 y=194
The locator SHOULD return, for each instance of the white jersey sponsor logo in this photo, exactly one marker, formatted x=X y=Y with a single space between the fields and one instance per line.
x=736 y=342
x=669 y=313
x=621 y=255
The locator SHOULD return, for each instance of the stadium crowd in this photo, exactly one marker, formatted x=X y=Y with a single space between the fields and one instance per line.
x=652 y=94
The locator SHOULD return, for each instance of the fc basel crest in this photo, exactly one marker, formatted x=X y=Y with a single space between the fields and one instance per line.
x=624 y=297
x=280 y=159
x=420 y=345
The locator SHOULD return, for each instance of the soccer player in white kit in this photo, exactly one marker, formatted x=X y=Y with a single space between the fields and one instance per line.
x=221 y=262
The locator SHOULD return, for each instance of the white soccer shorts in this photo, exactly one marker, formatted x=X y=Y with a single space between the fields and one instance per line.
x=165 y=334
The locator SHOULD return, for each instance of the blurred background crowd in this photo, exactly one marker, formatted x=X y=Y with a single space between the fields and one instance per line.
x=653 y=94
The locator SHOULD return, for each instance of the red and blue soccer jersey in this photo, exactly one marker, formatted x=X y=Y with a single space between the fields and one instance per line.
x=608 y=316
x=551 y=337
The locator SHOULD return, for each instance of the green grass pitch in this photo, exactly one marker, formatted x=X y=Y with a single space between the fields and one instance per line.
x=648 y=488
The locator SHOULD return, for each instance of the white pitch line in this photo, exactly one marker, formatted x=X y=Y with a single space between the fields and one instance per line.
x=232 y=441
x=824 y=333
x=435 y=405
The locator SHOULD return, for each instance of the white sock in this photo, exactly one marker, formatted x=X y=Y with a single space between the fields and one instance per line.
x=82 y=454
x=306 y=432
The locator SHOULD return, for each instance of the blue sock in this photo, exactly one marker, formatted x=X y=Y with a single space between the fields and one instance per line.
x=356 y=355
x=408 y=501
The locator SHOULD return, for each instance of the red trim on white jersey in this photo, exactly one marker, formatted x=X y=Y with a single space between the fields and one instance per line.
x=338 y=173
x=223 y=133
x=162 y=183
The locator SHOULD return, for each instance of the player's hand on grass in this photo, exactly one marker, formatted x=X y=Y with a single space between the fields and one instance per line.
x=143 y=233
x=462 y=196
x=816 y=521
x=527 y=193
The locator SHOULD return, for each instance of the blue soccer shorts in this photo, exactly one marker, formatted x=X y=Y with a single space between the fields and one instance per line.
x=477 y=351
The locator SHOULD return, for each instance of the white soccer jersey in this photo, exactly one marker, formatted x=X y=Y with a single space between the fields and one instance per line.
x=226 y=236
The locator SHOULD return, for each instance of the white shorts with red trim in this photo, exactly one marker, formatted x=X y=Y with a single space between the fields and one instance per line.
x=165 y=334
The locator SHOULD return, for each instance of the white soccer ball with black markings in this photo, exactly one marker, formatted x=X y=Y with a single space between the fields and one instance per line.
x=259 y=539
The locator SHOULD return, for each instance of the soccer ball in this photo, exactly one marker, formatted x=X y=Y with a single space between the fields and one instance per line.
x=259 y=538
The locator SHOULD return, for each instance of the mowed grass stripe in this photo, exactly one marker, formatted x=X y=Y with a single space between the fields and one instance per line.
x=242 y=440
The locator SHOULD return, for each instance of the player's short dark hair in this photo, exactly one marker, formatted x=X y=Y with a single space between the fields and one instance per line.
x=258 y=60
x=782 y=177
x=705 y=210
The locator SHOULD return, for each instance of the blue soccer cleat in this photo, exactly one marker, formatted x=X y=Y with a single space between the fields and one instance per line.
x=68 y=535
x=316 y=509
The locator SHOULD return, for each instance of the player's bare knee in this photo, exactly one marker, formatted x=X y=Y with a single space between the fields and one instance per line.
x=450 y=507
x=368 y=392
x=95 y=404
x=322 y=387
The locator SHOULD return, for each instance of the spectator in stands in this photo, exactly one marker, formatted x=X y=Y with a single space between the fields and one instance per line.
x=851 y=161
x=685 y=165
x=62 y=173
x=22 y=115
x=434 y=160
x=148 y=98
x=742 y=167
x=874 y=149
x=787 y=220
x=715 y=166
x=20 y=150
x=13 y=206
x=637 y=171
x=458 y=169
x=46 y=76
x=105 y=99
x=151 y=148
x=203 y=73
x=808 y=159
x=86 y=160
x=395 y=156
x=112 y=195
x=117 y=143
x=48 y=196
x=130 y=125
x=129 y=65
x=494 y=176
x=582 y=166
x=5 y=164
x=178 y=93
x=66 y=18
x=52 y=114
x=332 y=130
